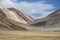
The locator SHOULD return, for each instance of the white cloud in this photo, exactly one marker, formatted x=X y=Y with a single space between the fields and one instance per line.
x=7 y=3
x=30 y=8
x=33 y=11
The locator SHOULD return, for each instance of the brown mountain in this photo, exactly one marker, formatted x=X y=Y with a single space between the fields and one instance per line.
x=51 y=21
x=22 y=15
x=11 y=20
x=16 y=15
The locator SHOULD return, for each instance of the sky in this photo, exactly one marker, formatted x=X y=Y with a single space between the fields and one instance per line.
x=35 y=8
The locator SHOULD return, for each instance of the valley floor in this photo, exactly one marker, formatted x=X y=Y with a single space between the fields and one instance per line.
x=29 y=35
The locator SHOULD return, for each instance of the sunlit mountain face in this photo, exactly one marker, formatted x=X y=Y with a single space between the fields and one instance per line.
x=13 y=19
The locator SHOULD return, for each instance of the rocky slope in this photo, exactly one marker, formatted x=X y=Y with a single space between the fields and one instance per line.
x=22 y=15
x=15 y=15
x=10 y=20
x=13 y=19
x=52 y=21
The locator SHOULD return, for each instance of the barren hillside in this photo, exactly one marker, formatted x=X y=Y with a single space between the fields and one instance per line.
x=27 y=18
x=10 y=20
x=51 y=22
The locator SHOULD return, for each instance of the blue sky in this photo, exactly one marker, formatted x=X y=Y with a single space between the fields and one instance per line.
x=56 y=3
x=35 y=8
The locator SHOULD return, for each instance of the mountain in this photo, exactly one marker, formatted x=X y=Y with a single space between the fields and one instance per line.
x=54 y=18
x=22 y=15
x=51 y=21
x=13 y=19
x=16 y=15
x=6 y=24
x=10 y=20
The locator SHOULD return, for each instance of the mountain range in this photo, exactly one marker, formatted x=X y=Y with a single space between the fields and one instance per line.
x=51 y=22
x=14 y=19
